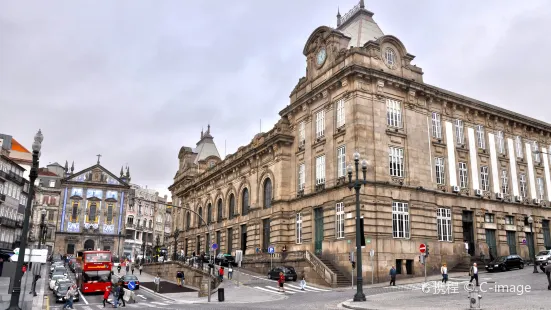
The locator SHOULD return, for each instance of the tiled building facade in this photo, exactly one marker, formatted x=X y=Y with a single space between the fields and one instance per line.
x=443 y=169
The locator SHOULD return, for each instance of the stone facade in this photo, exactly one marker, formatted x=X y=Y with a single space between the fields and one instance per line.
x=92 y=211
x=442 y=168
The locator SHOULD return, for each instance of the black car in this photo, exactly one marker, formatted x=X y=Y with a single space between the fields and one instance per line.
x=504 y=263
x=288 y=271
x=225 y=260
x=61 y=291
x=126 y=279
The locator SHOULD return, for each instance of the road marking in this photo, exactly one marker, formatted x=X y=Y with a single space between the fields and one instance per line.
x=86 y=308
x=142 y=296
x=287 y=288
x=159 y=303
x=305 y=289
x=47 y=302
x=266 y=290
x=276 y=290
x=82 y=296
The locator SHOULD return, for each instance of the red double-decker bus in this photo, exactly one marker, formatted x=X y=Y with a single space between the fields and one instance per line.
x=95 y=271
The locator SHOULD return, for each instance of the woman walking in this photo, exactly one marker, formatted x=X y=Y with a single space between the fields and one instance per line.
x=141 y=267
x=280 y=282
x=444 y=272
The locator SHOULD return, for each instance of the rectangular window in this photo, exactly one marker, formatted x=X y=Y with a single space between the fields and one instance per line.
x=504 y=182
x=400 y=220
x=540 y=188
x=320 y=170
x=480 y=139
x=50 y=215
x=340 y=113
x=301 y=177
x=341 y=162
x=484 y=179
x=440 y=172
x=518 y=142
x=463 y=175
x=522 y=180
x=509 y=220
x=52 y=183
x=299 y=228
x=536 y=151
x=320 y=124
x=436 y=126
x=110 y=213
x=339 y=220
x=489 y=218
x=444 y=224
x=393 y=113
x=500 y=142
x=396 y=159
x=459 y=136
x=301 y=133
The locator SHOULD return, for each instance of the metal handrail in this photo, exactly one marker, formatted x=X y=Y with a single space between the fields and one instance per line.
x=321 y=269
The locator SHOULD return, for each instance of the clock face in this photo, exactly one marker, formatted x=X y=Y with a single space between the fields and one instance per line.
x=320 y=58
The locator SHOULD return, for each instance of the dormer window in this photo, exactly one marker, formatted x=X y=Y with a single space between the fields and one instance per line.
x=211 y=163
x=390 y=57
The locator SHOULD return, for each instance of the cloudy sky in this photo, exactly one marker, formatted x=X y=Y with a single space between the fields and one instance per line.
x=135 y=80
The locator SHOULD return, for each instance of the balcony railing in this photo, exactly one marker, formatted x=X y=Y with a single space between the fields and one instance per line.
x=130 y=225
x=2 y=197
x=3 y=175
x=7 y=222
x=15 y=178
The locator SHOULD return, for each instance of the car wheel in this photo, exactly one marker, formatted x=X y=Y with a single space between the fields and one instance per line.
x=295 y=279
x=521 y=266
x=503 y=268
x=269 y=276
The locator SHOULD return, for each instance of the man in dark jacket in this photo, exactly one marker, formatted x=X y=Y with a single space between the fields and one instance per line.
x=548 y=273
x=392 y=274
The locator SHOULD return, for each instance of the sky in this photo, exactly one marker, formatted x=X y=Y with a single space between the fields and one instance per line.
x=136 y=80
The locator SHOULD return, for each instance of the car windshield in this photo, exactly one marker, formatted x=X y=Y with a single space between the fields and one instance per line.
x=64 y=287
x=58 y=276
x=97 y=257
x=97 y=276
x=59 y=272
x=543 y=253
x=130 y=278
x=500 y=259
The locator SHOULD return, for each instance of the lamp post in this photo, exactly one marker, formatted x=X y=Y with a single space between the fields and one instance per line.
x=357 y=185
x=531 y=221
x=14 y=301
x=176 y=234
x=41 y=236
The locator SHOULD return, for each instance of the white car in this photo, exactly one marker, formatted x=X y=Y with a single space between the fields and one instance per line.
x=59 y=281
x=55 y=278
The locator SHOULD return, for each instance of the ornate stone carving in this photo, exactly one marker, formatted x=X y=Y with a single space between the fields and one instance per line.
x=465 y=191
x=411 y=96
x=324 y=93
x=487 y=194
x=344 y=82
x=380 y=88
x=442 y=187
x=398 y=181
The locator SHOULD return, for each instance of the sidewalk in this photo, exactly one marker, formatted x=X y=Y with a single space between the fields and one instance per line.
x=28 y=301
x=452 y=276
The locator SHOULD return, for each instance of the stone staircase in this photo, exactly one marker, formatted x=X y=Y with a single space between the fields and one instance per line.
x=342 y=280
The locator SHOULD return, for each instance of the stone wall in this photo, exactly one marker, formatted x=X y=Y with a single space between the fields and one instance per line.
x=195 y=277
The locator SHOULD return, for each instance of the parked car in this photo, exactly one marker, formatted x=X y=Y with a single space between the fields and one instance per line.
x=542 y=258
x=61 y=281
x=288 y=271
x=61 y=291
x=56 y=265
x=58 y=270
x=54 y=279
x=504 y=263
x=225 y=260
x=126 y=279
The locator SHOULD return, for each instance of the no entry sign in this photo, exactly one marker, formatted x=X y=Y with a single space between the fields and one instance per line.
x=422 y=248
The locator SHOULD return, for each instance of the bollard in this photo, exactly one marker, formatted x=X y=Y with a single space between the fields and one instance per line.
x=220 y=294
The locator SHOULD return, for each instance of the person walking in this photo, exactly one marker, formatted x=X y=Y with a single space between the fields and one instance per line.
x=121 y=294
x=392 y=274
x=157 y=282
x=127 y=268
x=230 y=272
x=132 y=269
x=183 y=277
x=71 y=292
x=116 y=290
x=302 y=281
x=106 y=295
x=221 y=273
x=473 y=272
x=548 y=273
x=141 y=267
x=444 y=272
x=179 y=278
x=119 y=268
x=281 y=281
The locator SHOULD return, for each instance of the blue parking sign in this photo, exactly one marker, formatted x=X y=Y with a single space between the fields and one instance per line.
x=271 y=249
x=131 y=285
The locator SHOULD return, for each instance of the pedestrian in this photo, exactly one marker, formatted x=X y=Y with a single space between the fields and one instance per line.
x=106 y=295
x=179 y=278
x=71 y=292
x=127 y=268
x=221 y=273
x=121 y=294
x=284 y=252
x=132 y=268
x=24 y=268
x=141 y=267
x=157 y=281
x=280 y=282
x=116 y=290
x=119 y=269
x=444 y=272
x=491 y=255
x=302 y=281
x=548 y=273
x=183 y=277
x=392 y=274
x=230 y=272
x=473 y=272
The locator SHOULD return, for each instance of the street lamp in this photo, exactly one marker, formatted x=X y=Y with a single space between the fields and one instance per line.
x=176 y=234
x=14 y=301
x=41 y=236
x=357 y=185
x=531 y=221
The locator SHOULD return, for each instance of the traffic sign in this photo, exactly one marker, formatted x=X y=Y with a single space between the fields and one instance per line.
x=131 y=285
x=523 y=240
x=367 y=240
x=422 y=248
x=271 y=249
x=372 y=253
x=214 y=246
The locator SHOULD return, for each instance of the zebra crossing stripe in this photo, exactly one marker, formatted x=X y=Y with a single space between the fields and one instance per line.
x=317 y=289
x=276 y=290
x=307 y=289
x=159 y=303
x=266 y=290
x=287 y=288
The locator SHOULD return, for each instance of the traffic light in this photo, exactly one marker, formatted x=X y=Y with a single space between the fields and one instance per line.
x=427 y=250
x=351 y=257
x=362 y=243
x=353 y=265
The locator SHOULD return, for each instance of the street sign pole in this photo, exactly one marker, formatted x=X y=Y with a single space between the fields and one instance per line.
x=372 y=253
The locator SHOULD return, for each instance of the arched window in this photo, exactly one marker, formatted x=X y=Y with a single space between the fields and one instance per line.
x=92 y=212
x=219 y=210
x=150 y=223
x=232 y=206
x=199 y=219
x=267 y=193
x=188 y=220
x=245 y=202
x=209 y=213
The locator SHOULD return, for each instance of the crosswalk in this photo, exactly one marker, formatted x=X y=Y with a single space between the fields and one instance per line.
x=141 y=305
x=289 y=289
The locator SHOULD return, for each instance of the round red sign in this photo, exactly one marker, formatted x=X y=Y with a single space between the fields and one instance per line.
x=422 y=248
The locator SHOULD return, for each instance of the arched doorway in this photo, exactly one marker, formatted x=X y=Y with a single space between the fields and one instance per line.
x=89 y=244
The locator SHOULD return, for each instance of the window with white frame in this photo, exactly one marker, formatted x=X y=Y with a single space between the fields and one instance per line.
x=484 y=178
x=301 y=133
x=536 y=151
x=393 y=113
x=341 y=161
x=301 y=177
x=489 y=218
x=396 y=159
x=504 y=182
x=436 y=126
x=340 y=113
x=463 y=175
x=444 y=224
x=518 y=142
x=320 y=124
x=540 y=188
x=52 y=183
x=522 y=181
x=509 y=220
x=400 y=220
x=339 y=220
x=299 y=228
x=320 y=170
x=500 y=142
x=439 y=169
x=480 y=139
x=459 y=135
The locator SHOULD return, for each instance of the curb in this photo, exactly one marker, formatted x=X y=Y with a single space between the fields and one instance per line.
x=157 y=294
x=343 y=305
